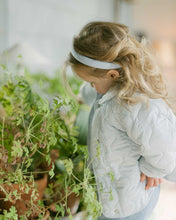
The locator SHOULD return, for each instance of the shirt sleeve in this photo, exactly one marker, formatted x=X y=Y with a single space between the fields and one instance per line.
x=154 y=130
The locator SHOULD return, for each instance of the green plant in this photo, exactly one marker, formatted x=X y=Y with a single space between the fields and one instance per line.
x=48 y=86
x=36 y=138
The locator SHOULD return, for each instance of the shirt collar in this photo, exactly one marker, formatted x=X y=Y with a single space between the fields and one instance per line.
x=111 y=93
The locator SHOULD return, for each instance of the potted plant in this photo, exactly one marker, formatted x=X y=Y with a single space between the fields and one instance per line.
x=38 y=144
x=26 y=134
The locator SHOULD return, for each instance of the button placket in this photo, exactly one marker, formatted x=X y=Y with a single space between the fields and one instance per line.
x=97 y=105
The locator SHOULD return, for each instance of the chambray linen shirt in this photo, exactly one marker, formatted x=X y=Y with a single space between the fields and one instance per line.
x=124 y=141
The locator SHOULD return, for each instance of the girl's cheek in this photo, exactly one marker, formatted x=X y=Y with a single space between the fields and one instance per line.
x=99 y=90
x=96 y=87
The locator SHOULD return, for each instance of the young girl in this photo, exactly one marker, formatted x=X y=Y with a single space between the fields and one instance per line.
x=132 y=129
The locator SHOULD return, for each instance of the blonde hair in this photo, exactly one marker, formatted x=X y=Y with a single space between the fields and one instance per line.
x=139 y=72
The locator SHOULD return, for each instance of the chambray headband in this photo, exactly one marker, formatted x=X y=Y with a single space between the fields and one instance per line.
x=94 y=63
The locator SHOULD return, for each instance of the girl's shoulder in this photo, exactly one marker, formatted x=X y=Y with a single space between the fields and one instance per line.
x=152 y=110
x=147 y=124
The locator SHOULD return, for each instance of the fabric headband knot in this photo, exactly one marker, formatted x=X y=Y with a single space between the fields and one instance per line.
x=94 y=63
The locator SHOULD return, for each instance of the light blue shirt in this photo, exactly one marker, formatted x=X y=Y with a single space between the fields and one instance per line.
x=124 y=141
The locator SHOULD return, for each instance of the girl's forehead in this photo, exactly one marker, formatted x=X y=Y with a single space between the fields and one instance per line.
x=82 y=69
x=86 y=76
x=86 y=73
x=82 y=72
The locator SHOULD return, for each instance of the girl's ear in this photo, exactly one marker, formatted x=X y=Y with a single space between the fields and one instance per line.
x=113 y=74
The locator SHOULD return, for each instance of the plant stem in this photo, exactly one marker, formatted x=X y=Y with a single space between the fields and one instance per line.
x=66 y=196
x=2 y=188
x=3 y=134
x=36 y=172
x=41 y=153
x=76 y=178
x=35 y=137
x=37 y=124
x=23 y=122
x=58 y=200
x=32 y=120
x=91 y=161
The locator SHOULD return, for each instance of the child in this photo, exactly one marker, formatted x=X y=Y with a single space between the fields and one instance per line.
x=132 y=129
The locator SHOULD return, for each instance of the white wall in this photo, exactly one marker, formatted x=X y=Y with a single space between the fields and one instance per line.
x=3 y=24
x=49 y=25
x=123 y=13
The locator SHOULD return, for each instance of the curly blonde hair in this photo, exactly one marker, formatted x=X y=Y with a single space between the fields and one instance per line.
x=139 y=72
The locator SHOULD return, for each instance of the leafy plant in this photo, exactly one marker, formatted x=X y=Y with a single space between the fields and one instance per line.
x=38 y=139
x=48 y=86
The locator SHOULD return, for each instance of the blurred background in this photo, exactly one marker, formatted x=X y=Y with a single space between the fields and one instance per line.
x=36 y=36
x=42 y=30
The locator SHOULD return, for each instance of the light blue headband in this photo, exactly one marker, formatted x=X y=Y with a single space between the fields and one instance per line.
x=94 y=63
